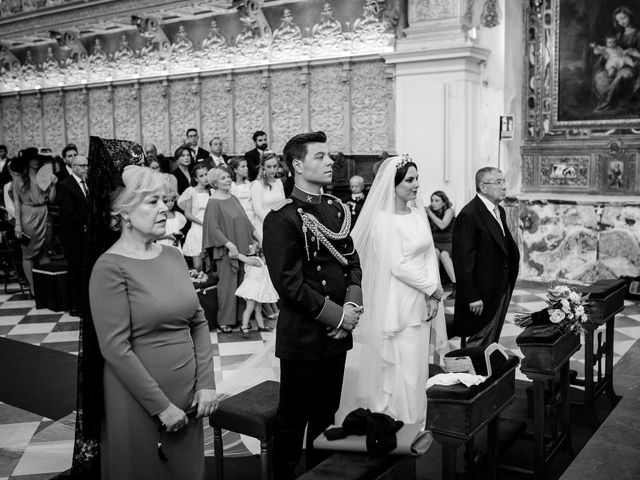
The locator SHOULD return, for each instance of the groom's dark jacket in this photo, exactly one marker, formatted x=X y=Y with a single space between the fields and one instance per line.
x=313 y=285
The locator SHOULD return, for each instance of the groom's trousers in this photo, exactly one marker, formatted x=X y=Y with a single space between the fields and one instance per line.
x=309 y=397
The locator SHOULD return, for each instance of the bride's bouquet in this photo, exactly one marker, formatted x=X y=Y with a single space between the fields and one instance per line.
x=198 y=278
x=567 y=311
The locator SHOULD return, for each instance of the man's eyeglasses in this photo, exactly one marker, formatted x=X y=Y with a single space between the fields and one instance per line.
x=497 y=182
x=82 y=165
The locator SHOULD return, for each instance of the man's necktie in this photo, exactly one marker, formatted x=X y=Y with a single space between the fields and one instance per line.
x=84 y=188
x=496 y=212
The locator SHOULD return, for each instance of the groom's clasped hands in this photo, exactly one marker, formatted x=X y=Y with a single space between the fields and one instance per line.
x=350 y=318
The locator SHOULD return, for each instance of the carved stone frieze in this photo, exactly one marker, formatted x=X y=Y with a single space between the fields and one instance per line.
x=182 y=54
x=215 y=51
x=215 y=108
x=31 y=125
x=369 y=29
x=327 y=33
x=287 y=38
x=528 y=171
x=250 y=102
x=288 y=97
x=125 y=112
x=101 y=112
x=371 y=98
x=425 y=10
x=53 y=121
x=565 y=170
x=11 y=122
x=328 y=100
x=183 y=111
x=154 y=116
x=76 y=119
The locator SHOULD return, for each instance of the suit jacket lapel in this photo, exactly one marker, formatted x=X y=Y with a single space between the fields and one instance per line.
x=492 y=224
x=78 y=189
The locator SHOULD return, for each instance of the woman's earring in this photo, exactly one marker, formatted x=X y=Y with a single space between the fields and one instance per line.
x=127 y=222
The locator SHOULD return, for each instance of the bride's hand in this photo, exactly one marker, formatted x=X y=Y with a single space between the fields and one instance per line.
x=432 y=309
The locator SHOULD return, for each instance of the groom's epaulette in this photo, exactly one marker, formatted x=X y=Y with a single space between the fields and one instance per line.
x=281 y=204
x=331 y=197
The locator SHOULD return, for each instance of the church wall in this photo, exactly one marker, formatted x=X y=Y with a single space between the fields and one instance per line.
x=352 y=100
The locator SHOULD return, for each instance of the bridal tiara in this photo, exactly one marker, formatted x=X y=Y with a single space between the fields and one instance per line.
x=404 y=159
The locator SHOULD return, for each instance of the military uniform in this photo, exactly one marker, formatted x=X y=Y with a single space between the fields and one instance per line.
x=315 y=269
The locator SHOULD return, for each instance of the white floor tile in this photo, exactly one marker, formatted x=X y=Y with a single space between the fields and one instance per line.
x=17 y=435
x=68 y=318
x=240 y=348
x=18 y=304
x=10 y=320
x=41 y=311
x=45 y=458
x=26 y=328
x=62 y=337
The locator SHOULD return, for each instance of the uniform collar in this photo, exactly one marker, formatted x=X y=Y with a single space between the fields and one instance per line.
x=306 y=197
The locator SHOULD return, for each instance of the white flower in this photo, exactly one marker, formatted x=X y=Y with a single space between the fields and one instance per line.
x=566 y=308
x=584 y=317
x=574 y=297
x=556 y=316
x=579 y=311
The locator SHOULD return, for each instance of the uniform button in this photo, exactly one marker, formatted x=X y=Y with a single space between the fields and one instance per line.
x=318 y=268
x=315 y=254
x=339 y=214
x=330 y=202
x=345 y=275
x=313 y=239
x=326 y=296
x=324 y=282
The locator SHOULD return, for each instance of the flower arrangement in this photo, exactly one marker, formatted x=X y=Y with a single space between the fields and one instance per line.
x=567 y=311
x=198 y=277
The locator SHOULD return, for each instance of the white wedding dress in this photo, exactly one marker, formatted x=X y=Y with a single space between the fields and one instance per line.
x=387 y=372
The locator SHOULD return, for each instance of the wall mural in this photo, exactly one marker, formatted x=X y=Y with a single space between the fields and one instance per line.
x=353 y=101
x=160 y=55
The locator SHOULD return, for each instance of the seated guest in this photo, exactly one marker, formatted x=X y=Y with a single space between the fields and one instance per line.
x=227 y=232
x=267 y=190
x=240 y=188
x=442 y=218
x=357 y=197
x=158 y=362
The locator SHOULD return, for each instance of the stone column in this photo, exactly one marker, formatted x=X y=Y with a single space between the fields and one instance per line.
x=437 y=97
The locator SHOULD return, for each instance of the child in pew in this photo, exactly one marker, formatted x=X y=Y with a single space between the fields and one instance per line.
x=255 y=289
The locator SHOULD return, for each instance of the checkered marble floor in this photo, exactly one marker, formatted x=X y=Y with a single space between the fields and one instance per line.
x=34 y=447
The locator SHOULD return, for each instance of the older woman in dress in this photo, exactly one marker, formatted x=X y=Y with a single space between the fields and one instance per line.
x=158 y=370
x=227 y=232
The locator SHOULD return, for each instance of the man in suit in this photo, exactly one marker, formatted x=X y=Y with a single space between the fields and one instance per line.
x=321 y=301
x=253 y=157
x=485 y=260
x=356 y=198
x=71 y=196
x=69 y=153
x=216 y=158
x=198 y=154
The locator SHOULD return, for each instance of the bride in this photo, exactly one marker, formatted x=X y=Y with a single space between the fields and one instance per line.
x=389 y=364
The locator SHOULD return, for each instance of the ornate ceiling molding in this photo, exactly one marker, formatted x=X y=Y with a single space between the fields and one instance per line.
x=255 y=46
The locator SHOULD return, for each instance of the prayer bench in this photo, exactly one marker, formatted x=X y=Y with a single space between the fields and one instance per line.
x=50 y=286
x=458 y=413
x=360 y=466
x=251 y=413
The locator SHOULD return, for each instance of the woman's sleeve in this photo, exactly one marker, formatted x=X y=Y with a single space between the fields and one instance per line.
x=182 y=221
x=212 y=235
x=184 y=197
x=257 y=191
x=111 y=316
x=403 y=269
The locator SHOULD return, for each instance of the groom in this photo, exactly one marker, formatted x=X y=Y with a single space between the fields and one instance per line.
x=316 y=271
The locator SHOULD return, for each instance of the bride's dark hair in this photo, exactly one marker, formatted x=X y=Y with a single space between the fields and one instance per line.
x=401 y=172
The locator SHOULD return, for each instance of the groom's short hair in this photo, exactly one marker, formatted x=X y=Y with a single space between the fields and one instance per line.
x=296 y=147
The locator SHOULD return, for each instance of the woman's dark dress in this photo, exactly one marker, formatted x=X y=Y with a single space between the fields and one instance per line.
x=442 y=239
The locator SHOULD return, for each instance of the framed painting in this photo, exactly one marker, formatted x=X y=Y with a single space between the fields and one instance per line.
x=596 y=64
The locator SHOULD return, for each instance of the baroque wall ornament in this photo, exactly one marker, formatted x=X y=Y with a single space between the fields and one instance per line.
x=31 y=115
x=329 y=101
x=215 y=111
x=153 y=113
x=287 y=38
x=53 y=121
x=288 y=98
x=250 y=105
x=424 y=10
